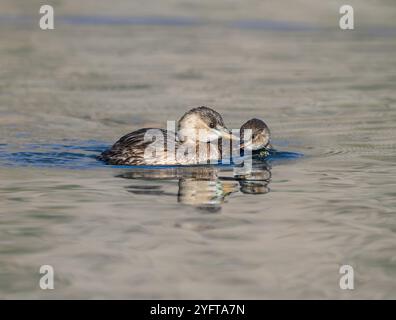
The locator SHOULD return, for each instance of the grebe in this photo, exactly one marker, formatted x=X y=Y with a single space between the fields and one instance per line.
x=260 y=135
x=197 y=126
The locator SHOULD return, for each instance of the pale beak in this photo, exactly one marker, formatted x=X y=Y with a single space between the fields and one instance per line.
x=247 y=144
x=225 y=134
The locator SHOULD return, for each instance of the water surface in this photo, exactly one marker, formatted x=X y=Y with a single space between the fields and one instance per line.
x=283 y=232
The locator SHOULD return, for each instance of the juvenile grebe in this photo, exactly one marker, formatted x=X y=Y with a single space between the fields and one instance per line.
x=199 y=125
x=260 y=135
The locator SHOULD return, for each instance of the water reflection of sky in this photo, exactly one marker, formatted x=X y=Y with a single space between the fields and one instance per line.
x=159 y=21
x=175 y=21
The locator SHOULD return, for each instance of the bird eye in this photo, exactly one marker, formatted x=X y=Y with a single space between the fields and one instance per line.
x=212 y=125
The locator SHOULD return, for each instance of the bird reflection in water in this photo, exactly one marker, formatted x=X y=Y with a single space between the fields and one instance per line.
x=204 y=187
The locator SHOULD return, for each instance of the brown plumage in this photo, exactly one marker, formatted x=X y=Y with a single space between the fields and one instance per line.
x=136 y=148
x=260 y=135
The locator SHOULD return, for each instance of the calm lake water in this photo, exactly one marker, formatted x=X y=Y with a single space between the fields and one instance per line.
x=67 y=94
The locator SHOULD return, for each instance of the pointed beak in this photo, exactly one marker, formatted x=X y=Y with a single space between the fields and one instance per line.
x=225 y=134
x=247 y=144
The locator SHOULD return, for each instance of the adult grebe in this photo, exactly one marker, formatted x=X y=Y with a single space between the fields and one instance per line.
x=198 y=126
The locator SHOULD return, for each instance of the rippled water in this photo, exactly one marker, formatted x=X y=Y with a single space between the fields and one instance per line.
x=282 y=232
